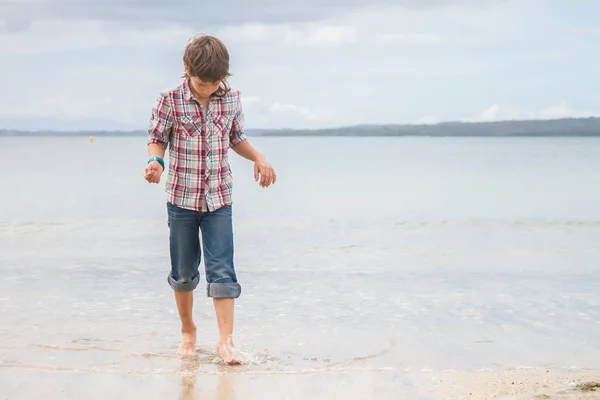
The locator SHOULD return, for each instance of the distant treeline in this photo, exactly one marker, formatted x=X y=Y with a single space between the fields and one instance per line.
x=556 y=127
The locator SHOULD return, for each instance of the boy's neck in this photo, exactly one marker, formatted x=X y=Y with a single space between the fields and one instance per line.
x=205 y=101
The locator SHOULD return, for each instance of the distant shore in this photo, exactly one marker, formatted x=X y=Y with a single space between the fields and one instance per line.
x=576 y=127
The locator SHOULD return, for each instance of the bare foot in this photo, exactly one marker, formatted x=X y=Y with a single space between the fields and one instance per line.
x=188 y=342
x=225 y=350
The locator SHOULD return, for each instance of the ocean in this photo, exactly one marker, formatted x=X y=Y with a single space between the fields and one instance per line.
x=369 y=264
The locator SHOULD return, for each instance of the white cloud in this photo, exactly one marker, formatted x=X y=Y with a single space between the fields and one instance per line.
x=250 y=101
x=556 y=111
x=429 y=120
x=193 y=13
x=248 y=33
x=329 y=34
x=414 y=28
x=373 y=65
x=49 y=36
x=61 y=106
x=564 y=110
x=46 y=36
x=586 y=30
x=425 y=39
x=323 y=36
x=413 y=39
x=290 y=109
x=261 y=113
x=560 y=110
x=490 y=114
x=300 y=35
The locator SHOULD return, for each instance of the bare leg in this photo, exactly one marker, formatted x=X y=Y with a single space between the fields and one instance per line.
x=224 y=312
x=185 y=301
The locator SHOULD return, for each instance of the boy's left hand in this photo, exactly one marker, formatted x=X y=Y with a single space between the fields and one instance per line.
x=264 y=171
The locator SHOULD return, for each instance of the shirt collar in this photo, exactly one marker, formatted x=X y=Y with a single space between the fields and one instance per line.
x=187 y=92
x=188 y=96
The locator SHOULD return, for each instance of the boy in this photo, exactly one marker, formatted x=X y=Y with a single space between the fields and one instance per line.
x=199 y=121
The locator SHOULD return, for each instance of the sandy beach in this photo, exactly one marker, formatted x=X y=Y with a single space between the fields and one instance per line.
x=512 y=384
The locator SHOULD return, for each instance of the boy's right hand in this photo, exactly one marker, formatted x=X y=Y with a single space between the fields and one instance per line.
x=153 y=172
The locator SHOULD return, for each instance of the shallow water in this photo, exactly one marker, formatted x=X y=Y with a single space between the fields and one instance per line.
x=420 y=254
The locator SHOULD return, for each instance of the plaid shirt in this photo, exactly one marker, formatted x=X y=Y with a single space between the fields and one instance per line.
x=199 y=175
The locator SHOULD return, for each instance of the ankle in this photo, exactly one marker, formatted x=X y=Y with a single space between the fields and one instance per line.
x=226 y=340
x=188 y=327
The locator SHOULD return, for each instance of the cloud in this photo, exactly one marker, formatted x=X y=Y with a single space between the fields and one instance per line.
x=291 y=109
x=429 y=120
x=261 y=112
x=56 y=35
x=323 y=36
x=556 y=111
x=250 y=101
x=248 y=33
x=14 y=25
x=193 y=13
x=564 y=110
x=425 y=39
x=336 y=63
x=58 y=25
x=490 y=114
x=66 y=112
x=300 y=35
x=58 y=106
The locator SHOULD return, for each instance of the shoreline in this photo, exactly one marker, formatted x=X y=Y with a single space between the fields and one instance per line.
x=484 y=384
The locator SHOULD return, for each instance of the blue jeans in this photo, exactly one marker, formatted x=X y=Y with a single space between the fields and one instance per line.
x=217 y=243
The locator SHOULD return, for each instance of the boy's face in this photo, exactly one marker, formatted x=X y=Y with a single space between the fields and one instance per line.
x=204 y=89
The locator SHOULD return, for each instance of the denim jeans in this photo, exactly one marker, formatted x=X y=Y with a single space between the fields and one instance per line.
x=216 y=227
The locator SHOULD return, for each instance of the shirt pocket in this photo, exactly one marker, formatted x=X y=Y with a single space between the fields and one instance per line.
x=222 y=125
x=189 y=126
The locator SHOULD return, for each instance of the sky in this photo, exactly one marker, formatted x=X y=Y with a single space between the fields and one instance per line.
x=100 y=64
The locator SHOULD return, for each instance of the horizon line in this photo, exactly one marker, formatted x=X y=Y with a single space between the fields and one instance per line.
x=365 y=125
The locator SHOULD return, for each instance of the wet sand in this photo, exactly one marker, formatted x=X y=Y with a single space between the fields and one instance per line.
x=227 y=383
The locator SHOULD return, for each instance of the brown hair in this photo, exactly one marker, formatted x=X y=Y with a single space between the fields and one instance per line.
x=207 y=58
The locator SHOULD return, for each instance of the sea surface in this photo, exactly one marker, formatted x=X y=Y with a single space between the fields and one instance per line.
x=370 y=258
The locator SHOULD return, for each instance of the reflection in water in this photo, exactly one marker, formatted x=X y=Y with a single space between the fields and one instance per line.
x=189 y=369
x=187 y=387
x=189 y=366
x=225 y=390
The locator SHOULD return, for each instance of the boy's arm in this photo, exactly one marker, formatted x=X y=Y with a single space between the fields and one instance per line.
x=238 y=141
x=159 y=129
x=262 y=169
x=156 y=150
x=159 y=132
x=237 y=135
x=246 y=150
x=241 y=145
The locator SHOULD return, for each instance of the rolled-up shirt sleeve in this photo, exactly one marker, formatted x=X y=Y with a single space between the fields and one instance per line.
x=161 y=122
x=237 y=134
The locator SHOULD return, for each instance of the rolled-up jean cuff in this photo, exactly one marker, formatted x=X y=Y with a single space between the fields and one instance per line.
x=225 y=290
x=184 y=287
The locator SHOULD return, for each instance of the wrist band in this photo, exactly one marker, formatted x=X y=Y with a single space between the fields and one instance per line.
x=157 y=158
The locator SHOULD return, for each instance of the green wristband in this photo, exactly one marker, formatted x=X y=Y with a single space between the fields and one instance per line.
x=157 y=158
